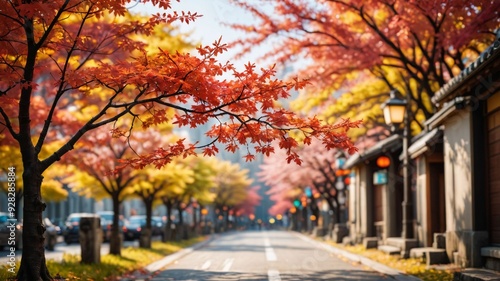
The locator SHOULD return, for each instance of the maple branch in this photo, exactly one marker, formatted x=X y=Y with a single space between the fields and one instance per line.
x=340 y=44
x=430 y=59
x=370 y=22
x=46 y=126
x=119 y=152
x=17 y=19
x=109 y=189
x=90 y=125
x=129 y=180
x=51 y=25
x=8 y=125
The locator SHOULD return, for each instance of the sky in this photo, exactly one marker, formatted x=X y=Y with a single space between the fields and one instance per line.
x=206 y=30
x=210 y=27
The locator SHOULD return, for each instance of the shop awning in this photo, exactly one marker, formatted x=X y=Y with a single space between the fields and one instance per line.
x=422 y=144
x=389 y=144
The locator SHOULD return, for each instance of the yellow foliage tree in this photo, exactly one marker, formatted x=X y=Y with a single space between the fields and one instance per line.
x=196 y=190
x=52 y=189
x=231 y=186
x=154 y=184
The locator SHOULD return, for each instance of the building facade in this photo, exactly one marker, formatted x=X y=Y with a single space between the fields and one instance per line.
x=455 y=172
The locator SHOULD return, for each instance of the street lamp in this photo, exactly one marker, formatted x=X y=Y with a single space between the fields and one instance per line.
x=397 y=111
x=340 y=185
x=340 y=160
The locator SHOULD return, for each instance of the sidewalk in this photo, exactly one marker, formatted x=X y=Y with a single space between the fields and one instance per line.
x=149 y=272
x=396 y=274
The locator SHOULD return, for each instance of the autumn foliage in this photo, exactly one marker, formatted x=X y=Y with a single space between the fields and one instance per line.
x=69 y=67
x=355 y=51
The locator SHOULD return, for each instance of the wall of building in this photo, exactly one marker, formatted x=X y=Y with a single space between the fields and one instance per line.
x=458 y=181
x=353 y=210
x=461 y=238
x=391 y=204
x=421 y=201
x=362 y=217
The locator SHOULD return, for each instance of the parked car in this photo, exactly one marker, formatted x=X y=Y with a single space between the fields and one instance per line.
x=5 y=232
x=106 y=222
x=50 y=233
x=59 y=223
x=158 y=224
x=132 y=229
x=71 y=232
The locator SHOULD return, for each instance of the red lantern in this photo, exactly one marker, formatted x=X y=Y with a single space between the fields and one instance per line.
x=383 y=162
x=347 y=180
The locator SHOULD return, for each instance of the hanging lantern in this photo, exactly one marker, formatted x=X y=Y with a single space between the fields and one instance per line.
x=383 y=162
x=347 y=180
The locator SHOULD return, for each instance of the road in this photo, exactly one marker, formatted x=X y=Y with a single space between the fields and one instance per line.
x=264 y=255
x=249 y=255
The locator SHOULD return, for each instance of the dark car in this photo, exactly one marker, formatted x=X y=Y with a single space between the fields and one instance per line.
x=135 y=224
x=106 y=222
x=8 y=229
x=132 y=229
x=158 y=223
x=59 y=225
x=71 y=232
x=50 y=233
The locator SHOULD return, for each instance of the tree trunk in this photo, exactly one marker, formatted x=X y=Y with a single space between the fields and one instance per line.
x=337 y=210
x=195 y=220
x=304 y=219
x=168 y=232
x=227 y=224
x=19 y=197
x=115 y=241
x=333 y=219
x=145 y=239
x=33 y=267
x=182 y=229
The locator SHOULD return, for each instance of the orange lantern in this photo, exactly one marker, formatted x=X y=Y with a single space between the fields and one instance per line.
x=383 y=162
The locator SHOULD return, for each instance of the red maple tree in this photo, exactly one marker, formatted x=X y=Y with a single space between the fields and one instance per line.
x=69 y=67
x=414 y=46
x=318 y=172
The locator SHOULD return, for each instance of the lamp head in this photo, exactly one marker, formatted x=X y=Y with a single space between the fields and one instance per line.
x=394 y=109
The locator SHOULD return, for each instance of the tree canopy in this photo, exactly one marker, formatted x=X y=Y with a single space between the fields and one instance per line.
x=69 y=67
x=413 y=46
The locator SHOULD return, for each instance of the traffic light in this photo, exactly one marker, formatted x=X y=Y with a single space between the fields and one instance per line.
x=297 y=203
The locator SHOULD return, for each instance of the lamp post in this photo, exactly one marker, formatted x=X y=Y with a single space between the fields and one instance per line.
x=397 y=111
x=340 y=160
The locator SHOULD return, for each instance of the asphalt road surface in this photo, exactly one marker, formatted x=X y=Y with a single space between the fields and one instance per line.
x=264 y=255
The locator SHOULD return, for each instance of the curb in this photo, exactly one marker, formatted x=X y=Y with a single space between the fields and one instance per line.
x=159 y=264
x=394 y=273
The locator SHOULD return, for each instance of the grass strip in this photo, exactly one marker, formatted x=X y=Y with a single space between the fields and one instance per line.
x=111 y=266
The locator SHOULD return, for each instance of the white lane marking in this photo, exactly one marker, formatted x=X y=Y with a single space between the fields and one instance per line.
x=270 y=255
x=227 y=264
x=267 y=243
x=206 y=265
x=273 y=275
